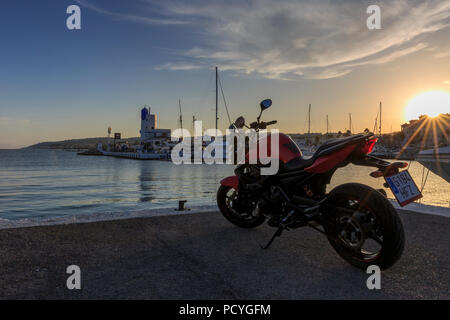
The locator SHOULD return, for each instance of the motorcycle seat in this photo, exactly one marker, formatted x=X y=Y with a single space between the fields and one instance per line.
x=342 y=142
x=327 y=147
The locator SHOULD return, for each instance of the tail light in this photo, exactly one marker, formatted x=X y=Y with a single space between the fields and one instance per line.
x=368 y=145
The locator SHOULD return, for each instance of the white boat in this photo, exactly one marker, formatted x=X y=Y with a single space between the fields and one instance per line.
x=156 y=144
x=138 y=155
x=383 y=152
x=437 y=161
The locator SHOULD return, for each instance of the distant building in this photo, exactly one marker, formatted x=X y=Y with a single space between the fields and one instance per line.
x=149 y=130
x=438 y=128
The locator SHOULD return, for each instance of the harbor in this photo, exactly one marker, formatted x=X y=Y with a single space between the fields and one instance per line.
x=416 y=136
x=413 y=139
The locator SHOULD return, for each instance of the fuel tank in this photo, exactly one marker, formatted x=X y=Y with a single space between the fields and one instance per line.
x=288 y=149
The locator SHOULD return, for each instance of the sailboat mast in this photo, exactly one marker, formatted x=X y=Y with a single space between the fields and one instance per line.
x=181 y=116
x=375 y=125
x=350 y=122
x=217 y=101
x=309 y=119
x=327 y=124
x=380 y=119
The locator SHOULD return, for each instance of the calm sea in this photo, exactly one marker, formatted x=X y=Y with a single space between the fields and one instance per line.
x=55 y=183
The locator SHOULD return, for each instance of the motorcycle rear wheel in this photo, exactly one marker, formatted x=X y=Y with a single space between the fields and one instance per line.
x=225 y=197
x=370 y=216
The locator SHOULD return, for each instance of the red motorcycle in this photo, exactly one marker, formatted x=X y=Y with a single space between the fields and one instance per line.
x=360 y=222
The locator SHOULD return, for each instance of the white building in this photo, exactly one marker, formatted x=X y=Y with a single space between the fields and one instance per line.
x=149 y=130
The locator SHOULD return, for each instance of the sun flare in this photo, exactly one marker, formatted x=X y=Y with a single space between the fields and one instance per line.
x=431 y=103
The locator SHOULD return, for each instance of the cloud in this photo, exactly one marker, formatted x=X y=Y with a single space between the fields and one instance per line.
x=178 y=66
x=442 y=54
x=130 y=17
x=283 y=39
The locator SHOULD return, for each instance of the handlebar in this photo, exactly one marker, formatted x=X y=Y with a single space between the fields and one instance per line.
x=262 y=124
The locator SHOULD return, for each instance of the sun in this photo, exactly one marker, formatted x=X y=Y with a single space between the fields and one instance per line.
x=431 y=103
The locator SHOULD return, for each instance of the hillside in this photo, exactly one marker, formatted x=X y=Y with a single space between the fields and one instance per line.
x=87 y=143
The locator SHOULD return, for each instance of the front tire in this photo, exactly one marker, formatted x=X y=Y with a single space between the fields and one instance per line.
x=225 y=197
x=365 y=214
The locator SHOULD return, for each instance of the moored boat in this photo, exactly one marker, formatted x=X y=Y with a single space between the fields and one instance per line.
x=155 y=143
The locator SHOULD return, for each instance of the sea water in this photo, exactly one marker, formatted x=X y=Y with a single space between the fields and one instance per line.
x=36 y=183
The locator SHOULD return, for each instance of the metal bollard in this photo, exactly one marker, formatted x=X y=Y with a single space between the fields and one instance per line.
x=181 y=205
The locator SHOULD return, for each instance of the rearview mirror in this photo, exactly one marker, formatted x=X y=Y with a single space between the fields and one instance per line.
x=240 y=122
x=265 y=104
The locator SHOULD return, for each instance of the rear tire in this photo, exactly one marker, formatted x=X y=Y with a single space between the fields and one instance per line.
x=376 y=211
x=243 y=220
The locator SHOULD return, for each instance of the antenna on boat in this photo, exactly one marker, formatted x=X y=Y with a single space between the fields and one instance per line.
x=217 y=96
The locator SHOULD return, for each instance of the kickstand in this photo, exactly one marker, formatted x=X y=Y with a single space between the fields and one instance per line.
x=276 y=234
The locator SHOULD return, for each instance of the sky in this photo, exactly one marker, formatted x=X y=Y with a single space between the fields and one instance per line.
x=57 y=83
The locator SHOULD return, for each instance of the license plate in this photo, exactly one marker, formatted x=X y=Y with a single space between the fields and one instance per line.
x=404 y=188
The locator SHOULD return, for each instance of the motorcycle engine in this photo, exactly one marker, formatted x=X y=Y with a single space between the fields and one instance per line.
x=270 y=204
x=268 y=199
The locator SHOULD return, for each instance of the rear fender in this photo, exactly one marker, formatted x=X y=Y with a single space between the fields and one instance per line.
x=232 y=182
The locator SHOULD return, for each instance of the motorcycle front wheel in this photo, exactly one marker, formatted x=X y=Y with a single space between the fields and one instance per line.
x=249 y=217
x=366 y=227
